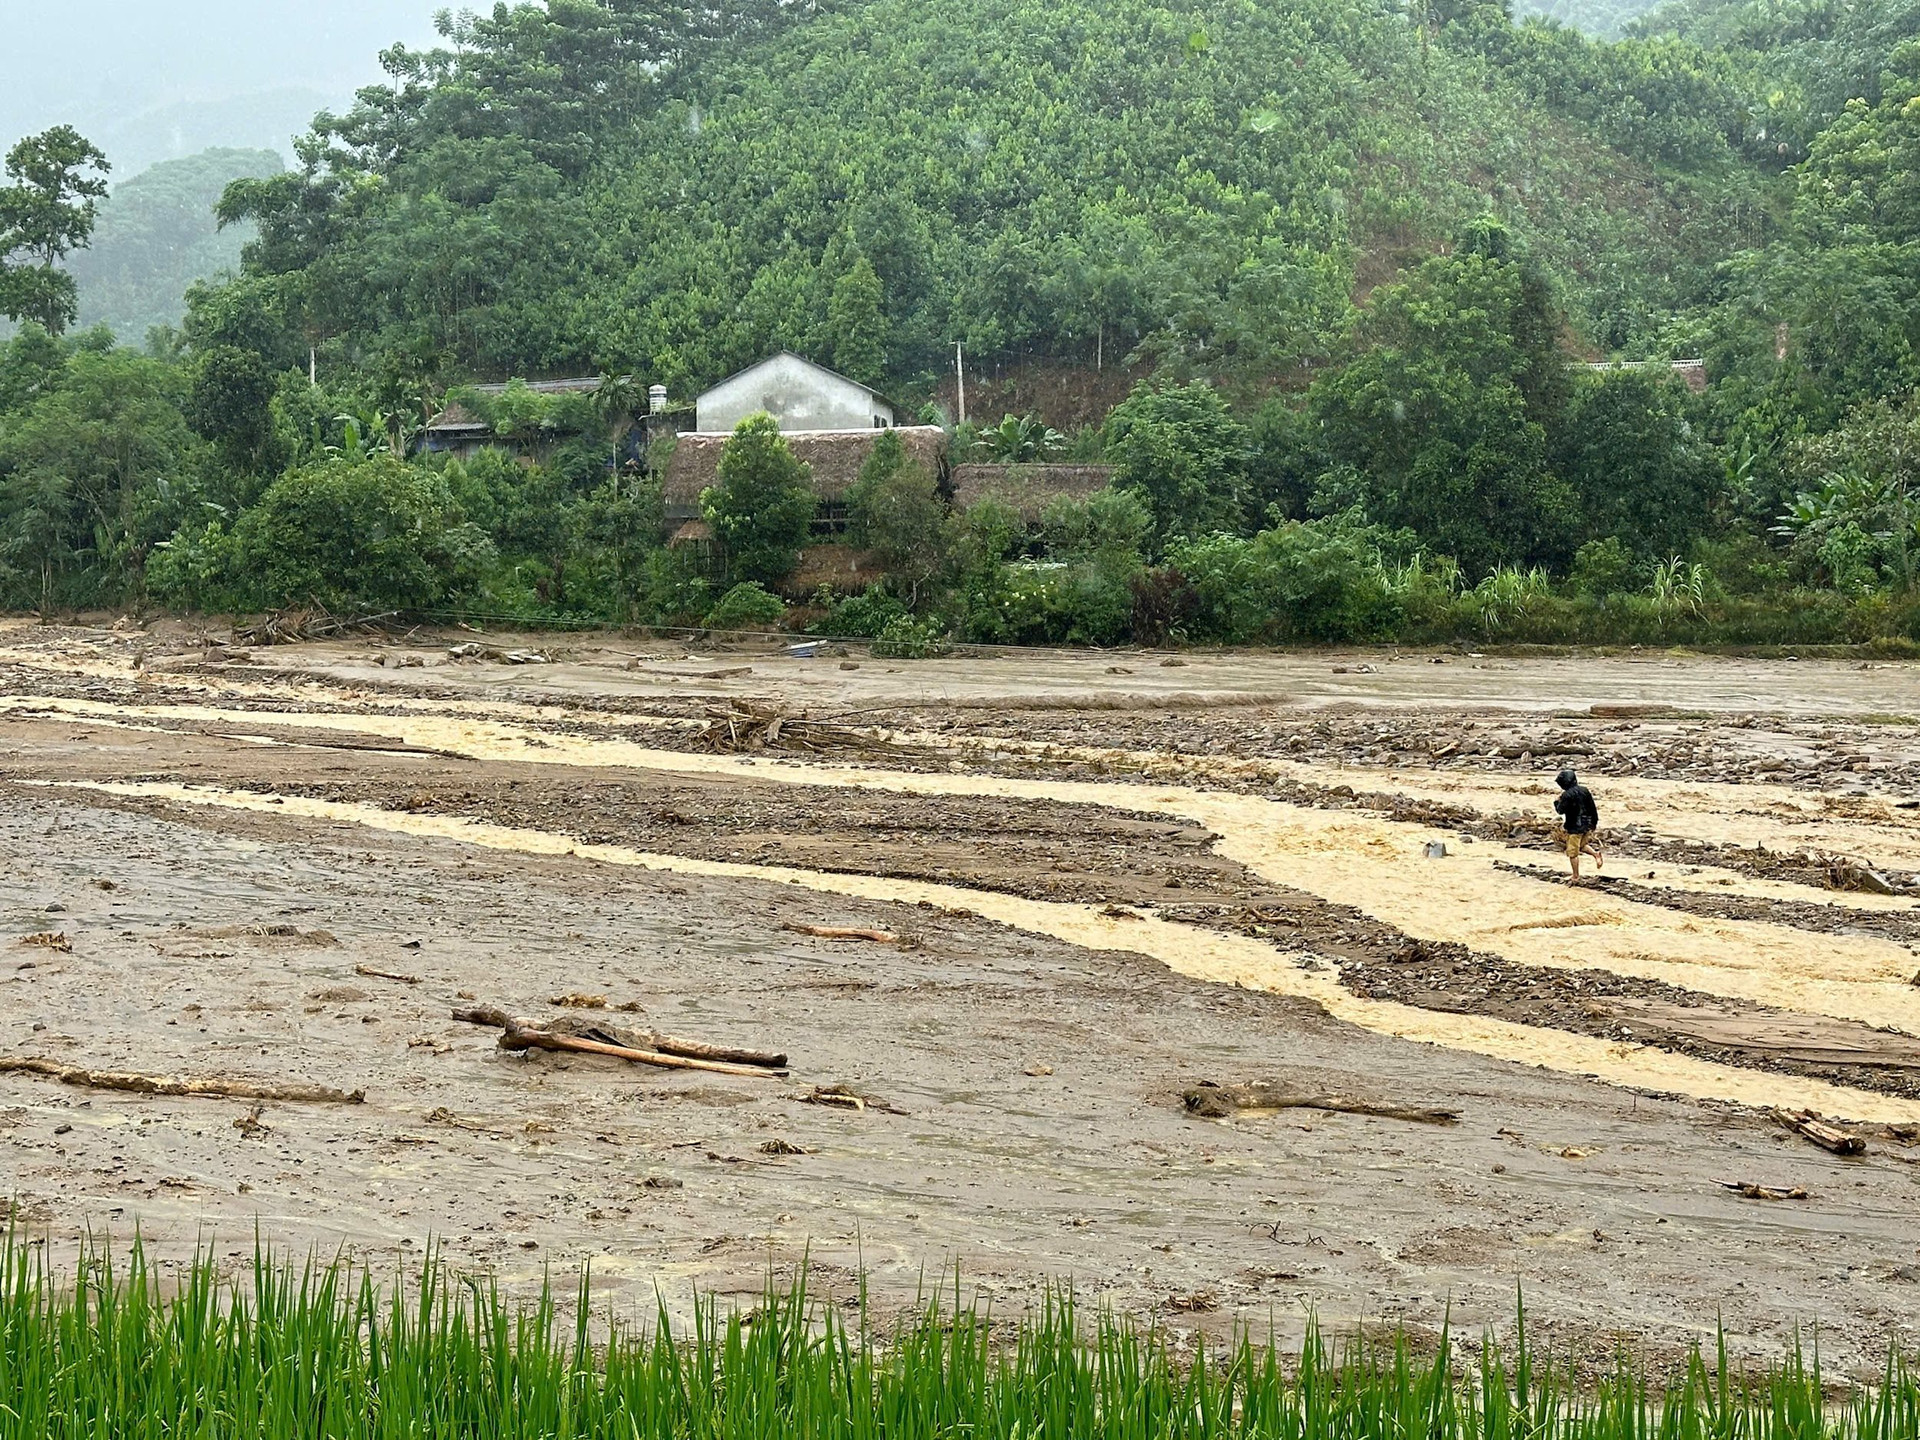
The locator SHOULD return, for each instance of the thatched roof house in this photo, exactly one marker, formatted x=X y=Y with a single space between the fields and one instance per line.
x=834 y=456
x=1026 y=488
x=459 y=430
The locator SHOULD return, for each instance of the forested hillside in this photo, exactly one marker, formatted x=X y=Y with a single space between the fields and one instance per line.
x=156 y=236
x=1072 y=178
x=1356 y=253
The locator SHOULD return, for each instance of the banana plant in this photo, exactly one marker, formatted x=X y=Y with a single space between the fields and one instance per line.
x=1021 y=439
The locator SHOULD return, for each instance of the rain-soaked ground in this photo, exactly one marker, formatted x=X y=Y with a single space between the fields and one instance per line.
x=1111 y=878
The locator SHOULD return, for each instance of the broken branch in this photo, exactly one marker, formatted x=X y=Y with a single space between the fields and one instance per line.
x=842 y=932
x=1809 y=1126
x=1218 y=1101
x=1752 y=1191
x=368 y=970
x=521 y=1037
x=167 y=1085
x=494 y=1016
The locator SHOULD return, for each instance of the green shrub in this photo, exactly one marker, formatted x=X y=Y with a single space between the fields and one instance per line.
x=747 y=606
x=195 y=570
x=861 y=616
x=1330 y=579
x=1089 y=602
x=357 y=535
x=1602 y=568
x=1319 y=580
x=673 y=589
x=905 y=638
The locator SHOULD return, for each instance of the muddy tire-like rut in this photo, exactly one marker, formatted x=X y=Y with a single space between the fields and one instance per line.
x=291 y=866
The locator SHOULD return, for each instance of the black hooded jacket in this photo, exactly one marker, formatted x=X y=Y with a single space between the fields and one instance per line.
x=1577 y=810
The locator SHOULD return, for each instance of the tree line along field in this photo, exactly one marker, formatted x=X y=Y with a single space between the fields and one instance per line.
x=1359 y=329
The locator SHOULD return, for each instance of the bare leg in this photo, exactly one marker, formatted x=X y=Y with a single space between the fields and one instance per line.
x=1573 y=859
x=1599 y=860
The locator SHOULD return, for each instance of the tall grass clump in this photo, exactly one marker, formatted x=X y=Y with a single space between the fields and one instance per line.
x=326 y=1350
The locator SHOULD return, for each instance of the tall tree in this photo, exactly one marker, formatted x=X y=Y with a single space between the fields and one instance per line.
x=763 y=504
x=45 y=214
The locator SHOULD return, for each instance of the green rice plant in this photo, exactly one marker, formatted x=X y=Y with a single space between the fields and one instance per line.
x=284 y=1350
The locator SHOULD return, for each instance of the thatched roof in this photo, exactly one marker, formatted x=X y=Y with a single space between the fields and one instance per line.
x=835 y=457
x=457 y=420
x=690 y=532
x=1026 y=488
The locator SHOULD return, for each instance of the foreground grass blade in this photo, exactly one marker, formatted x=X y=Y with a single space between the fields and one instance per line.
x=325 y=1350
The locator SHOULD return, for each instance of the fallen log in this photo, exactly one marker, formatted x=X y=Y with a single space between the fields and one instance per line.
x=498 y=1019
x=1218 y=1101
x=735 y=1055
x=1809 y=1126
x=841 y=932
x=521 y=1037
x=168 y=1085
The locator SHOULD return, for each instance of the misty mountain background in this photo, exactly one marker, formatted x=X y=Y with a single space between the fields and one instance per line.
x=151 y=80
x=205 y=90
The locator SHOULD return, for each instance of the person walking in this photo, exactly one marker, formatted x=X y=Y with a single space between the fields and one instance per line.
x=1579 y=819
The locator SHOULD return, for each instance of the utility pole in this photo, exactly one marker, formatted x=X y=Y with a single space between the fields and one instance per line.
x=960 y=380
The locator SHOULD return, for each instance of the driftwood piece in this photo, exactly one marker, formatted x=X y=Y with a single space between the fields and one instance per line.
x=734 y=1055
x=1810 y=1126
x=521 y=1037
x=168 y=1085
x=1218 y=1101
x=369 y=971
x=491 y=1015
x=844 y=1097
x=842 y=932
x=649 y=1040
x=1752 y=1191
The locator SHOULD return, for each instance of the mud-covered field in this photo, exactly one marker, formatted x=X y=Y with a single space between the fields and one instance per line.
x=1101 y=879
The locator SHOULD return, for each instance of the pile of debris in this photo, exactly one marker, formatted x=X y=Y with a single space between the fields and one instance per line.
x=1845 y=873
x=303 y=622
x=474 y=650
x=740 y=727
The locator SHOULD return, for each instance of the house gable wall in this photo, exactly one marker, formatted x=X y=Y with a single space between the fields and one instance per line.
x=799 y=395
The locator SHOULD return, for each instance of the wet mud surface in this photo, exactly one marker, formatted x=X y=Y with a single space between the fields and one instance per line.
x=1034 y=1127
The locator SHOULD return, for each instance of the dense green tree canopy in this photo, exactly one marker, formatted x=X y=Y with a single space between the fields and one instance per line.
x=47 y=212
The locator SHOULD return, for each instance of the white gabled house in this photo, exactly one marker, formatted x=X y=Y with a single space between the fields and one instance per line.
x=797 y=393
